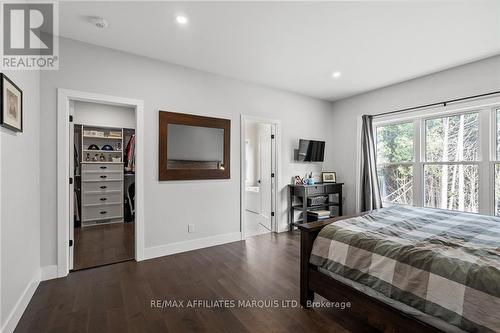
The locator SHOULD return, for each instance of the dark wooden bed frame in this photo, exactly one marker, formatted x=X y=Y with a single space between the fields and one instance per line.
x=371 y=311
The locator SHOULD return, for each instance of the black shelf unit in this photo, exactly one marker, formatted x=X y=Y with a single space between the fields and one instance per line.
x=303 y=192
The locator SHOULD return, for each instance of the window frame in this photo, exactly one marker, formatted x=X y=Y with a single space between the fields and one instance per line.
x=453 y=114
x=454 y=163
x=410 y=163
x=494 y=159
x=487 y=159
x=477 y=162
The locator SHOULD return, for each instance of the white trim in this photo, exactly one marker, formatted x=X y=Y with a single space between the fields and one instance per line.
x=357 y=189
x=418 y=165
x=63 y=98
x=276 y=225
x=71 y=138
x=257 y=234
x=493 y=133
x=22 y=303
x=492 y=154
x=485 y=207
x=1 y=187
x=172 y=248
x=48 y=272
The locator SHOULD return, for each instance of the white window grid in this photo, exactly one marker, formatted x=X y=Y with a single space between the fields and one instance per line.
x=487 y=150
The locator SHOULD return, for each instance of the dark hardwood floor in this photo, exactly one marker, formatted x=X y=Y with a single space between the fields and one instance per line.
x=103 y=244
x=117 y=298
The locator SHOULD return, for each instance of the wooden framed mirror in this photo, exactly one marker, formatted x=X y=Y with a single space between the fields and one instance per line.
x=193 y=147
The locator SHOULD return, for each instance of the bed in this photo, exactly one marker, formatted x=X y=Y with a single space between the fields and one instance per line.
x=407 y=269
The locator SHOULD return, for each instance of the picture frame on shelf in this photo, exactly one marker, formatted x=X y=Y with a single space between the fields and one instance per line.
x=11 y=104
x=329 y=177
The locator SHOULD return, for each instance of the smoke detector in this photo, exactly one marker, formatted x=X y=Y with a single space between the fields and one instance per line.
x=99 y=22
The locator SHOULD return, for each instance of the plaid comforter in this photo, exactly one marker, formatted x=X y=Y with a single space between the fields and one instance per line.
x=443 y=263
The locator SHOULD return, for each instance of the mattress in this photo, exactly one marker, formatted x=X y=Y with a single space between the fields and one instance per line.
x=443 y=264
x=406 y=309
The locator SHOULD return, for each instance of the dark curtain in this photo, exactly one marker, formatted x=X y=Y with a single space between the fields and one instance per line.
x=370 y=193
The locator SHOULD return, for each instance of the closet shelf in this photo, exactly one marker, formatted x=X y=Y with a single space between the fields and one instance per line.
x=100 y=162
x=327 y=204
x=103 y=151
x=102 y=137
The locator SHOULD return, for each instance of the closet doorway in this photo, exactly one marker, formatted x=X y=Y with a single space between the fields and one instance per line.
x=102 y=222
x=104 y=183
x=259 y=176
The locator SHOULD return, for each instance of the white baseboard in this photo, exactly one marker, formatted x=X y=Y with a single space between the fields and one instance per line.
x=21 y=304
x=257 y=234
x=165 y=250
x=283 y=228
x=48 y=273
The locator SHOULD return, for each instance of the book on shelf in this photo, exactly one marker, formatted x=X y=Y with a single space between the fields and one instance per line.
x=319 y=213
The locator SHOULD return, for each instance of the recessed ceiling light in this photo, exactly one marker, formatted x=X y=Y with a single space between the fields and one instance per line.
x=336 y=74
x=181 y=19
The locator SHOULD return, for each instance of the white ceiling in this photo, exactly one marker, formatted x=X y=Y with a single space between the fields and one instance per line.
x=297 y=45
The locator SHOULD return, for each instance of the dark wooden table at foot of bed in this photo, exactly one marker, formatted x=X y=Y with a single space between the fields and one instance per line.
x=363 y=307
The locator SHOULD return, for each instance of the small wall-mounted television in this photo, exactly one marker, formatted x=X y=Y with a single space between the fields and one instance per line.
x=311 y=151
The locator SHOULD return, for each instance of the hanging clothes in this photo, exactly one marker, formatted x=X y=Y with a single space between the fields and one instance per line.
x=76 y=164
x=76 y=207
x=130 y=155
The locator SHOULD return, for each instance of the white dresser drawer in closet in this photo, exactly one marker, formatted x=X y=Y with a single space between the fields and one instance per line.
x=102 y=212
x=101 y=187
x=92 y=172
x=102 y=167
x=107 y=176
x=102 y=198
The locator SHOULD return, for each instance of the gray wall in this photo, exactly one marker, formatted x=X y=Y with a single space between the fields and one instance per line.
x=20 y=197
x=173 y=88
x=474 y=78
x=103 y=115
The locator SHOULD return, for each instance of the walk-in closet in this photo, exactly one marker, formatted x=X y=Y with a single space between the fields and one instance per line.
x=104 y=184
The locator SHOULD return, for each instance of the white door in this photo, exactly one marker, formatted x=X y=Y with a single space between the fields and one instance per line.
x=274 y=176
x=71 y=187
x=265 y=170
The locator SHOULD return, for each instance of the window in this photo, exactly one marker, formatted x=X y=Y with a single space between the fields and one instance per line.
x=451 y=168
x=395 y=157
x=497 y=165
x=497 y=112
x=497 y=189
x=446 y=159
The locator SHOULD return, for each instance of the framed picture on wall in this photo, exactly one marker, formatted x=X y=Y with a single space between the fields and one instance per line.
x=11 y=101
x=329 y=177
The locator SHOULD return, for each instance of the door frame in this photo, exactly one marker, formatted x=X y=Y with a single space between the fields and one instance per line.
x=276 y=201
x=71 y=205
x=64 y=96
x=1 y=188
